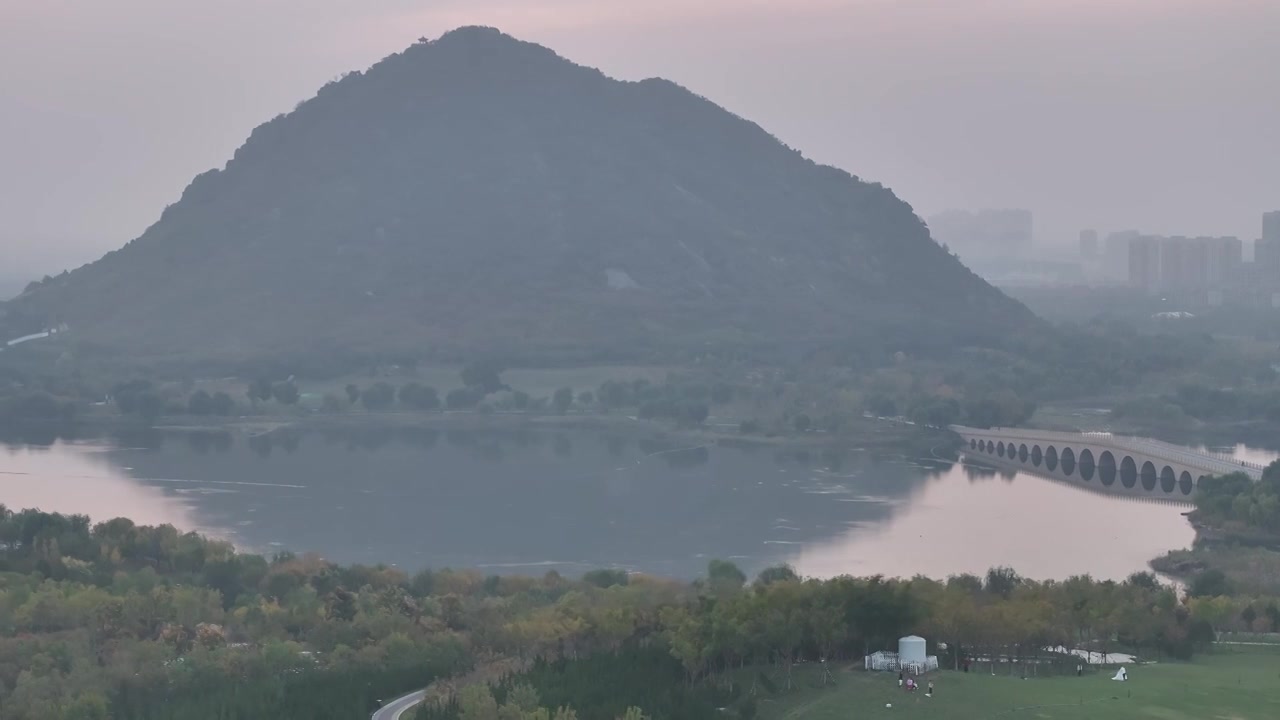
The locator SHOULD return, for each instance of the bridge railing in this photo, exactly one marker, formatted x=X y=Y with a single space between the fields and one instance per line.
x=1185 y=455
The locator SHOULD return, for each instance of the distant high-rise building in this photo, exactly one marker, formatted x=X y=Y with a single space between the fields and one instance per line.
x=1271 y=226
x=1088 y=244
x=1223 y=258
x=1115 y=257
x=1266 y=250
x=1144 y=261
x=1180 y=264
x=1266 y=258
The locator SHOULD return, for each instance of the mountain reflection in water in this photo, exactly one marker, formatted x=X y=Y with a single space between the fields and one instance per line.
x=529 y=501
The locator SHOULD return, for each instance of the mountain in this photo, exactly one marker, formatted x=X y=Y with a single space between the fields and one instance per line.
x=479 y=195
x=11 y=285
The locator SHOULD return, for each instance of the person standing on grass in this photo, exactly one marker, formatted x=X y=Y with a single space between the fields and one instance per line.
x=930 y=693
x=899 y=678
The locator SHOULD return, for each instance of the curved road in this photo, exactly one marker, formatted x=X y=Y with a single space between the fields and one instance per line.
x=399 y=708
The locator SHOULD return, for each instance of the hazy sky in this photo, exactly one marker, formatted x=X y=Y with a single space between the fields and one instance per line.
x=1162 y=115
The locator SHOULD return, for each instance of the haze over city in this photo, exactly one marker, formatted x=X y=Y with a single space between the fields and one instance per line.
x=1082 y=112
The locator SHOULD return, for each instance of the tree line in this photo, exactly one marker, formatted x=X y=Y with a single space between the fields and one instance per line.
x=115 y=620
x=1239 y=505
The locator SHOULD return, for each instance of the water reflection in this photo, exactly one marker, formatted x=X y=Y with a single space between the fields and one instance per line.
x=78 y=479
x=511 y=500
x=968 y=519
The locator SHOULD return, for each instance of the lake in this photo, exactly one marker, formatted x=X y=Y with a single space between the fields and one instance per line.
x=530 y=501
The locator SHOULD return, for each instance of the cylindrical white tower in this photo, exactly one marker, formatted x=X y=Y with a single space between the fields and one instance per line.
x=911 y=649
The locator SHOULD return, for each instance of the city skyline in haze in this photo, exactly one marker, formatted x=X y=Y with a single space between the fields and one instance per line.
x=1158 y=115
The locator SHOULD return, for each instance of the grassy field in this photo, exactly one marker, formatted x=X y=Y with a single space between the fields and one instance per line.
x=1236 y=683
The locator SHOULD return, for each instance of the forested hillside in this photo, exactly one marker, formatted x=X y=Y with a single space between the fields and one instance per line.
x=478 y=195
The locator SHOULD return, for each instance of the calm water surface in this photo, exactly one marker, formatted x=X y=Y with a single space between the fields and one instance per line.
x=529 y=501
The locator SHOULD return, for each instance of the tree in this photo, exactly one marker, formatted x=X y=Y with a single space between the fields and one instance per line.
x=419 y=397
x=880 y=404
x=341 y=605
x=934 y=411
x=484 y=377
x=604 y=578
x=1210 y=583
x=476 y=702
x=462 y=399
x=200 y=403
x=694 y=413
x=523 y=698
x=353 y=393
x=725 y=574
x=378 y=396
x=150 y=406
x=776 y=573
x=1248 y=615
x=285 y=393
x=1002 y=581
x=259 y=390
x=223 y=405
x=1144 y=580
x=1272 y=611
x=562 y=399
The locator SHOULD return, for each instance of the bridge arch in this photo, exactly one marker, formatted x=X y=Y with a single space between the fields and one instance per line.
x=1128 y=472
x=1126 y=465
x=1148 y=476
x=1087 y=465
x=1107 y=468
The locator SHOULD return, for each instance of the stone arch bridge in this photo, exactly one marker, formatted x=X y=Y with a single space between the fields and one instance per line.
x=1134 y=466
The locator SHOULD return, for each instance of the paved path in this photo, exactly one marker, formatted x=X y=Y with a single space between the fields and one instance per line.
x=399 y=708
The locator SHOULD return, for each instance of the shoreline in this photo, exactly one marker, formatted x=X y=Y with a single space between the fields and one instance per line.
x=1250 y=561
x=867 y=434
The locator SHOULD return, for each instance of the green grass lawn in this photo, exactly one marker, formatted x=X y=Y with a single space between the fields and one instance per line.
x=1239 y=683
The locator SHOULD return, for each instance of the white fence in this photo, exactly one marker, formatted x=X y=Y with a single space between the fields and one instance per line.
x=888 y=661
